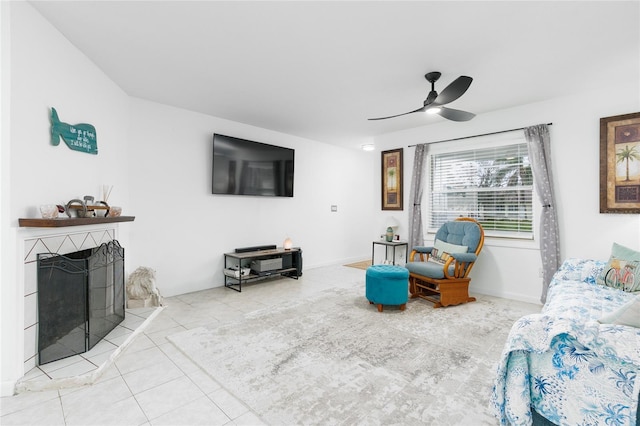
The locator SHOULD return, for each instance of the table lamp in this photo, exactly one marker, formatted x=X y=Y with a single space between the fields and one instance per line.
x=288 y=244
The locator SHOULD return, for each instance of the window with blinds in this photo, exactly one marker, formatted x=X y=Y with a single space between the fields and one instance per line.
x=493 y=185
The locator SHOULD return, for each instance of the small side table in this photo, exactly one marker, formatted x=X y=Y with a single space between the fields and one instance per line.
x=393 y=245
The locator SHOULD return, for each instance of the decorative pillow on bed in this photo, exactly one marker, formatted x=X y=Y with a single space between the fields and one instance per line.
x=441 y=250
x=622 y=271
x=627 y=314
x=577 y=269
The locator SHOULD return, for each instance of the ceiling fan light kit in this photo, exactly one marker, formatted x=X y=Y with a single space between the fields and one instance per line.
x=434 y=104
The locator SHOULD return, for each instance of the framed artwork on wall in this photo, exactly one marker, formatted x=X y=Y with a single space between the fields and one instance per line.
x=392 y=179
x=620 y=164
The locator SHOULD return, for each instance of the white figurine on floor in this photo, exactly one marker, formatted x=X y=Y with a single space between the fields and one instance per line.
x=141 y=289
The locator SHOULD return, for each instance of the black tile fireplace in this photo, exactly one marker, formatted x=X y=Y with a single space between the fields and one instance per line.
x=81 y=298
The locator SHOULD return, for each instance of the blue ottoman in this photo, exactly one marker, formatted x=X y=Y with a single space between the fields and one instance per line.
x=387 y=285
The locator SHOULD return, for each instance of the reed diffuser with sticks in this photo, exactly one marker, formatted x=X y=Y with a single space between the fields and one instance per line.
x=114 y=211
x=106 y=191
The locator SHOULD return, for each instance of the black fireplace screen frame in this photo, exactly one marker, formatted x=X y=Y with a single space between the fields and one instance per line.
x=81 y=298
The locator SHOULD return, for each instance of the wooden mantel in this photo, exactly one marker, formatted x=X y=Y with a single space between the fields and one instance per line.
x=70 y=221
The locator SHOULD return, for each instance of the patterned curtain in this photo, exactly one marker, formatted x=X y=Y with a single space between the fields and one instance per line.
x=538 y=142
x=416 y=237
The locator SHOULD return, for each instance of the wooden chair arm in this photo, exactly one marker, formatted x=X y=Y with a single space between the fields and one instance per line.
x=422 y=251
x=462 y=263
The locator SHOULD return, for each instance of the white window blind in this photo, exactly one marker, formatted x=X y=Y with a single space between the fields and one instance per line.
x=493 y=185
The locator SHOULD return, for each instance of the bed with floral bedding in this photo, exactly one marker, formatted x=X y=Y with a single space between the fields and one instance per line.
x=573 y=363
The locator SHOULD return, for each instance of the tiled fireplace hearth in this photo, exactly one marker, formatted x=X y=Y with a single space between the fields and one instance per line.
x=60 y=241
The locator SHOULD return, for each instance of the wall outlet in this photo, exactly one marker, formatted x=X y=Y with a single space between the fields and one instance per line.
x=334 y=208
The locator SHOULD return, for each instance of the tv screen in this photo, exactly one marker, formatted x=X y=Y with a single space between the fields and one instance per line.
x=243 y=167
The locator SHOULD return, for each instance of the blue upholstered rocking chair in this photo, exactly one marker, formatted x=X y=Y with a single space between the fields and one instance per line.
x=441 y=273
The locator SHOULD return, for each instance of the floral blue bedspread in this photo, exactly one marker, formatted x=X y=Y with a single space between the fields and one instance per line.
x=564 y=363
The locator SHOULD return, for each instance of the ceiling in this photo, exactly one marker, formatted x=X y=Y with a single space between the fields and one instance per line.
x=318 y=70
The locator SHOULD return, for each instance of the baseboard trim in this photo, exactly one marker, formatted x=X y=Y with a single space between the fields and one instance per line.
x=504 y=295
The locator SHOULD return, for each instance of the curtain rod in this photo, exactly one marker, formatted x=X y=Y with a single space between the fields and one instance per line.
x=477 y=136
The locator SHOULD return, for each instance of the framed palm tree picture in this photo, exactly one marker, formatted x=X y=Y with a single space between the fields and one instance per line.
x=620 y=164
x=392 y=179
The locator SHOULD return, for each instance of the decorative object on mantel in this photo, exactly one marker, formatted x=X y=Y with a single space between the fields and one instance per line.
x=84 y=209
x=79 y=212
x=114 y=211
x=49 y=211
x=620 y=164
x=288 y=244
x=141 y=289
x=79 y=137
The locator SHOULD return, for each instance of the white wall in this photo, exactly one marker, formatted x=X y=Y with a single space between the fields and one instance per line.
x=10 y=363
x=512 y=271
x=47 y=71
x=158 y=159
x=182 y=230
x=40 y=70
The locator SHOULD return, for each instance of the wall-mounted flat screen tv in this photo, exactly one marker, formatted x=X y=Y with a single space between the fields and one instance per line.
x=244 y=167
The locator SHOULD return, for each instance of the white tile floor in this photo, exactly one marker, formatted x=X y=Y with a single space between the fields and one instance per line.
x=151 y=382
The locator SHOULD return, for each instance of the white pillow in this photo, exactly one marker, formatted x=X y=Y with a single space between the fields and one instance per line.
x=441 y=251
x=443 y=246
x=627 y=314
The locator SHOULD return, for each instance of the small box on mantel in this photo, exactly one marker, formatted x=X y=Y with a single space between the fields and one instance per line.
x=264 y=265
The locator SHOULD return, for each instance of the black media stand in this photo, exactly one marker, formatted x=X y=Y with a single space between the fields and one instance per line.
x=245 y=267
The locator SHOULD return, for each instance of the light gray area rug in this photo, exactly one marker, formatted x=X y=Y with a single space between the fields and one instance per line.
x=332 y=358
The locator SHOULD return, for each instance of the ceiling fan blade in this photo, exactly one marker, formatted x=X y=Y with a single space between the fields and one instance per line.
x=455 y=114
x=398 y=115
x=454 y=90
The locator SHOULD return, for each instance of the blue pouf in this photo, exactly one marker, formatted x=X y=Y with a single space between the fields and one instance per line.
x=387 y=285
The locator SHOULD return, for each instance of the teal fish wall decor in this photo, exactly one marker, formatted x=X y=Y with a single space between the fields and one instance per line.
x=79 y=137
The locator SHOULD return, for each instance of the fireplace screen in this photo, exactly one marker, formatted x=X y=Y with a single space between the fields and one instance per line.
x=80 y=299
